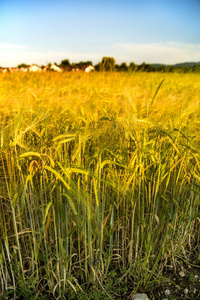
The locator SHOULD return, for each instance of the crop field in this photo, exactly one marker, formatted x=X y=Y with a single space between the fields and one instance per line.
x=99 y=183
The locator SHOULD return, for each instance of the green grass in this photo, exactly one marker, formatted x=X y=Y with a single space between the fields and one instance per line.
x=99 y=183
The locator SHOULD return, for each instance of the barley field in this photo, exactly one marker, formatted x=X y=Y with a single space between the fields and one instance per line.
x=99 y=183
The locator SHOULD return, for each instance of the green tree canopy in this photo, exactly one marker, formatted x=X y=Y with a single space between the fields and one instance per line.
x=82 y=64
x=108 y=64
x=23 y=65
x=65 y=64
x=123 y=67
x=132 y=67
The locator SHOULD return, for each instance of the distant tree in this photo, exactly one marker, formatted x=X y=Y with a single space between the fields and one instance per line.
x=107 y=64
x=196 y=68
x=117 y=67
x=141 y=67
x=65 y=64
x=87 y=63
x=165 y=68
x=83 y=64
x=132 y=67
x=123 y=67
x=187 y=69
x=23 y=65
x=149 y=68
x=161 y=68
x=171 y=69
x=98 y=67
x=145 y=67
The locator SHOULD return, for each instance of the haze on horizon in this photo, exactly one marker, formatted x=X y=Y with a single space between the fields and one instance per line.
x=150 y=31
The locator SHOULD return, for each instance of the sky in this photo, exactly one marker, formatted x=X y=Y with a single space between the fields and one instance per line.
x=150 y=31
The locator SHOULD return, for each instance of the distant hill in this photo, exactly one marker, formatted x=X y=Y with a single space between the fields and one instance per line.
x=158 y=65
x=185 y=64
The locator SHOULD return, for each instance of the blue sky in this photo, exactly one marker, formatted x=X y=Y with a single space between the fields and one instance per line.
x=151 y=31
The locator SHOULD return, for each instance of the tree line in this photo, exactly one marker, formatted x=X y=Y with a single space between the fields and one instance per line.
x=108 y=64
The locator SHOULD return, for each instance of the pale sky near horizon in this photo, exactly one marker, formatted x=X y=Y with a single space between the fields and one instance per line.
x=151 y=31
